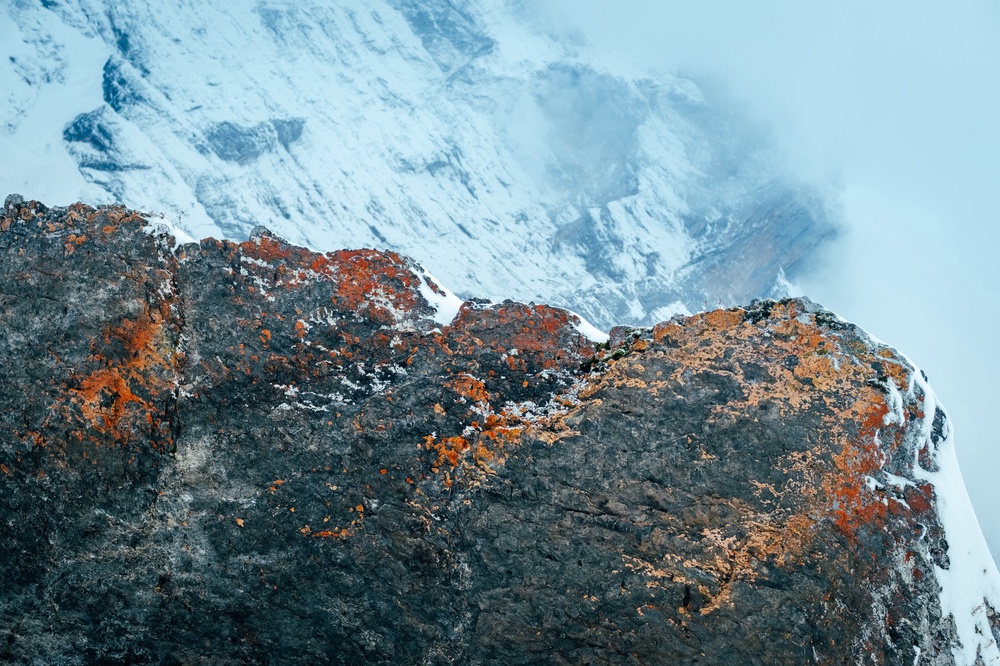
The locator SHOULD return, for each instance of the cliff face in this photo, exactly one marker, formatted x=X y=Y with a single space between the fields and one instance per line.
x=251 y=452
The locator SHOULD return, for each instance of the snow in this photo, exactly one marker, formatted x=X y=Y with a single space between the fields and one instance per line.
x=161 y=226
x=667 y=311
x=50 y=74
x=446 y=304
x=895 y=399
x=897 y=481
x=588 y=330
x=971 y=580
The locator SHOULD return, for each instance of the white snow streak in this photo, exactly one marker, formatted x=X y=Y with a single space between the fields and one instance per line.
x=446 y=304
x=161 y=226
x=588 y=330
x=971 y=580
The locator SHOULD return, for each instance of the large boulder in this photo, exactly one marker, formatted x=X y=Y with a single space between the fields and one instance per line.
x=253 y=453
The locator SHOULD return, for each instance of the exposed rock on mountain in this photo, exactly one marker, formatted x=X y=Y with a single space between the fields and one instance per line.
x=249 y=452
x=508 y=159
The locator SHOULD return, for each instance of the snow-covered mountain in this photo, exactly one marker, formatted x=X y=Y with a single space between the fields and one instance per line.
x=509 y=161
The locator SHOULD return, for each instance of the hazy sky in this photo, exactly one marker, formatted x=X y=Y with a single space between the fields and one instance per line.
x=899 y=104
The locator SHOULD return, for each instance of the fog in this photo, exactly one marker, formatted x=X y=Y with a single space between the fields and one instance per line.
x=898 y=105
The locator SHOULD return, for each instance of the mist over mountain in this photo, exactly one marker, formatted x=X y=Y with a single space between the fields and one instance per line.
x=507 y=160
x=897 y=103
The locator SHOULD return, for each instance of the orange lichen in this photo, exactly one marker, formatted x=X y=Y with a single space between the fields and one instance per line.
x=823 y=367
x=485 y=437
x=470 y=388
x=105 y=395
x=375 y=284
x=139 y=338
x=854 y=504
x=449 y=449
x=534 y=335
x=920 y=498
x=135 y=365
x=786 y=361
x=266 y=249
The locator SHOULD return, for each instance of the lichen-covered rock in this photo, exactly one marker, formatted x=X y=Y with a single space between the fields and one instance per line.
x=252 y=453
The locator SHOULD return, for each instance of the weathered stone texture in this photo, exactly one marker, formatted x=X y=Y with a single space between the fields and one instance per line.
x=252 y=453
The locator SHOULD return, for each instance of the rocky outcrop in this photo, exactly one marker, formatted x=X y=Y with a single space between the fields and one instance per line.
x=253 y=453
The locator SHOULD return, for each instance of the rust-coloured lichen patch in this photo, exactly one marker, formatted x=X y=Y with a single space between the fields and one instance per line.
x=133 y=377
x=470 y=388
x=105 y=394
x=378 y=285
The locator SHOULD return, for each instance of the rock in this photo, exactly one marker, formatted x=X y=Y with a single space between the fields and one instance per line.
x=12 y=204
x=250 y=453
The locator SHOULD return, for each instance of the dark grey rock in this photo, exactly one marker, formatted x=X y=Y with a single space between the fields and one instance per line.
x=120 y=87
x=239 y=144
x=252 y=453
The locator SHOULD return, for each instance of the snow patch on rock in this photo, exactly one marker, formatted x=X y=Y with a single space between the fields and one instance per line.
x=446 y=304
x=163 y=227
x=971 y=583
x=588 y=330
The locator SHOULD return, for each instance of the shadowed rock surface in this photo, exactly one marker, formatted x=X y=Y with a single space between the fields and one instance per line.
x=252 y=453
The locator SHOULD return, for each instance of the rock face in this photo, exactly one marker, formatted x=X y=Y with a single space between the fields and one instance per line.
x=252 y=453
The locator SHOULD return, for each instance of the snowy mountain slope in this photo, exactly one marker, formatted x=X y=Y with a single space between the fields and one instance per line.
x=507 y=161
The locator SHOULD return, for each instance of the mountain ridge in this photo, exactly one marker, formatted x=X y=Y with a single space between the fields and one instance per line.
x=248 y=450
x=417 y=127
